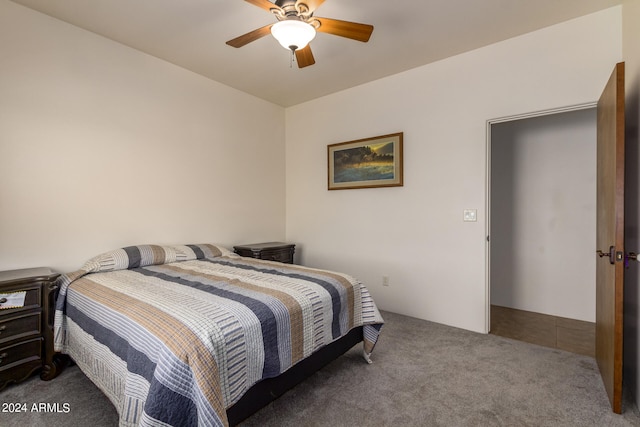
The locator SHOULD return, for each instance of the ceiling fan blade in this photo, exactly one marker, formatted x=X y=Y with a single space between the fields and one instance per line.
x=264 y=4
x=305 y=57
x=250 y=36
x=311 y=4
x=350 y=30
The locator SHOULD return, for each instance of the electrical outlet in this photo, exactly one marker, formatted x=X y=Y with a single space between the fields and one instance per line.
x=385 y=280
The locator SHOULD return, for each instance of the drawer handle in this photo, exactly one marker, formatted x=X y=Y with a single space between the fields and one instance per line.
x=3 y=356
x=3 y=300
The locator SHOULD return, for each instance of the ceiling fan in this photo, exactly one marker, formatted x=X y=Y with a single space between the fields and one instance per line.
x=297 y=26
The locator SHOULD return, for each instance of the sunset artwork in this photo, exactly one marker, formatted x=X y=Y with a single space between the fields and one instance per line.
x=366 y=163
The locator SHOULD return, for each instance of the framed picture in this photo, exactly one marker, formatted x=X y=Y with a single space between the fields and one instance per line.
x=366 y=163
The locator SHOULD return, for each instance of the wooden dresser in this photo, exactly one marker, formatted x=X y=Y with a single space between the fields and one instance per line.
x=26 y=337
x=272 y=251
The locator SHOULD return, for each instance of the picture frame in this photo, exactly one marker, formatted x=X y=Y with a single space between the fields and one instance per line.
x=366 y=163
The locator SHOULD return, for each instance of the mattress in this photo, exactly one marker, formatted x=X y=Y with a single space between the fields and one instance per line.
x=175 y=335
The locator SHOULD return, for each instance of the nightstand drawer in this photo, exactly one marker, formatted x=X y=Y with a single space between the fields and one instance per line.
x=272 y=251
x=32 y=298
x=23 y=352
x=18 y=327
x=285 y=256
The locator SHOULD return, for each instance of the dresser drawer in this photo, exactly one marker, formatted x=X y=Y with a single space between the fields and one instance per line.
x=17 y=354
x=32 y=299
x=20 y=326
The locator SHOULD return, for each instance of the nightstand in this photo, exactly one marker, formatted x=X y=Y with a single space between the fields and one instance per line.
x=272 y=251
x=26 y=337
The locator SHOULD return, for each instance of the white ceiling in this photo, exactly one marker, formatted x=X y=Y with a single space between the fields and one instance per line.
x=407 y=34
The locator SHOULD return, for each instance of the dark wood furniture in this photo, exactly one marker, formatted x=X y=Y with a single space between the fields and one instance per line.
x=26 y=335
x=272 y=251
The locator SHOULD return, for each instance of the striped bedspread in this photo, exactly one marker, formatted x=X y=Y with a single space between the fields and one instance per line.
x=175 y=335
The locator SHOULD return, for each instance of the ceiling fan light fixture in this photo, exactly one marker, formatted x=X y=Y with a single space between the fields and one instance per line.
x=293 y=34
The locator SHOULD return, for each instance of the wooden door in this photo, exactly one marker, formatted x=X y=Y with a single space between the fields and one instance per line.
x=610 y=236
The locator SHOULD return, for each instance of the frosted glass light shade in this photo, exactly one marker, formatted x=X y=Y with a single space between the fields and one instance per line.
x=292 y=34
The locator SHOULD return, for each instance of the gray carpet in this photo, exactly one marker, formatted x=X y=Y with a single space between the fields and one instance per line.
x=424 y=374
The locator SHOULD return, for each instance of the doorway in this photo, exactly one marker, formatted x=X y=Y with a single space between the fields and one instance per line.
x=542 y=213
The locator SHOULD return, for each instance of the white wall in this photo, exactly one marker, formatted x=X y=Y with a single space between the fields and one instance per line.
x=102 y=146
x=543 y=214
x=415 y=234
x=631 y=50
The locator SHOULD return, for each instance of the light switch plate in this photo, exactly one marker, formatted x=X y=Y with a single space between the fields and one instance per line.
x=470 y=215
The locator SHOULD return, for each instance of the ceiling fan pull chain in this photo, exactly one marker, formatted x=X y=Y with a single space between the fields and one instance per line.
x=291 y=59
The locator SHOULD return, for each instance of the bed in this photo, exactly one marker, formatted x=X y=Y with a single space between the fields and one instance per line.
x=197 y=335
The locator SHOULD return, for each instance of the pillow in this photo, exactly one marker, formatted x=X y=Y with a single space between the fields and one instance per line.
x=204 y=250
x=138 y=256
x=144 y=255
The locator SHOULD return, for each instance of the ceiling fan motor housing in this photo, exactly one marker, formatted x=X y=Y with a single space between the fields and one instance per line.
x=288 y=9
